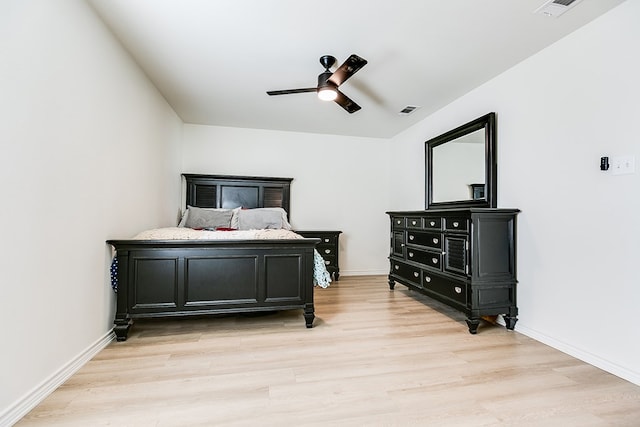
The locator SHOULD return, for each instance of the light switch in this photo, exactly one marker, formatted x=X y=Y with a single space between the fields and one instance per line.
x=623 y=165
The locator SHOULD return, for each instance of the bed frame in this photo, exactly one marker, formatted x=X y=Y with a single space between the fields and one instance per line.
x=161 y=278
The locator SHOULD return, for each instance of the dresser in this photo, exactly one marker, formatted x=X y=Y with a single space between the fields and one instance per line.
x=328 y=248
x=464 y=258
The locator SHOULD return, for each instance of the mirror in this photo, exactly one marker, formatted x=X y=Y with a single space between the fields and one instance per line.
x=461 y=168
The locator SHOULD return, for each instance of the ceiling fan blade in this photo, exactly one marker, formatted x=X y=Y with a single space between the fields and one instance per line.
x=345 y=102
x=347 y=69
x=289 y=91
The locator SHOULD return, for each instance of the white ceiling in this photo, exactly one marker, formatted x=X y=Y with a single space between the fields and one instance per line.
x=214 y=60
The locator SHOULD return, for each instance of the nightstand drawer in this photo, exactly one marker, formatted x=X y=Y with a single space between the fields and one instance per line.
x=328 y=241
x=330 y=261
x=326 y=250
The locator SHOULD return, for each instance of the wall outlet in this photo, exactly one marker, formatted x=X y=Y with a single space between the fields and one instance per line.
x=623 y=165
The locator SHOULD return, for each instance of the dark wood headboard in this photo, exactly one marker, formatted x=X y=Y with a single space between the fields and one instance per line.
x=228 y=192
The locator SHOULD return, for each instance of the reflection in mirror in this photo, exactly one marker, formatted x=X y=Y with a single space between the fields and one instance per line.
x=458 y=168
x=461 y=169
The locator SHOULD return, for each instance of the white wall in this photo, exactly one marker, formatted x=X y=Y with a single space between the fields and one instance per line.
x=578 y=244
x=340 y=183
x=79 y=123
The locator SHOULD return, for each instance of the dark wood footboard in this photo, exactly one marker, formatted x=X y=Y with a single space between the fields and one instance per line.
x=187 y=277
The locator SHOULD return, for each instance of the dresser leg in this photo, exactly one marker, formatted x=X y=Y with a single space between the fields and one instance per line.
x=473 y=325
x=510 y=321
x=392 y=283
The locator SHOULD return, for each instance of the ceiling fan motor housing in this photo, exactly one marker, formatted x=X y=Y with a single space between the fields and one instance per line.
x=327 y=61
x=323 y=80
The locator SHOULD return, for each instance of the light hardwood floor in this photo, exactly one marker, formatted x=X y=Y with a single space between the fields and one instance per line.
x=374 y=357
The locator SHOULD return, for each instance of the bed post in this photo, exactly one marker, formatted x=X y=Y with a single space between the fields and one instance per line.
x=308 y=314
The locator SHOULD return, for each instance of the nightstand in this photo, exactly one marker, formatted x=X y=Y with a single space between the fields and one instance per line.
x=327 y=248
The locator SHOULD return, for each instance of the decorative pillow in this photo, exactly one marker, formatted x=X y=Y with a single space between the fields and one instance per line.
x=207 y=218
x=259 y=219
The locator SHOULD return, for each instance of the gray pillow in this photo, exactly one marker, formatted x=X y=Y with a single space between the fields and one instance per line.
x=206 y=218
x=259 y=219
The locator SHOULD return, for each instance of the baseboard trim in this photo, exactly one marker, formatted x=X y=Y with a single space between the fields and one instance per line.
x=22 y=407
x=585 y=356
x=364 y=272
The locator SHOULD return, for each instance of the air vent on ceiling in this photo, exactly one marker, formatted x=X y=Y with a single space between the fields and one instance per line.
x=408 y=110
x=556 y=8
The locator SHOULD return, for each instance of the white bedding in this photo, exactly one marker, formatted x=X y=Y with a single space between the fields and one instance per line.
x=182 y=233
x=321 y=276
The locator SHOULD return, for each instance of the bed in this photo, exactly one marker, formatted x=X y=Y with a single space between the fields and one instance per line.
x=264 y=270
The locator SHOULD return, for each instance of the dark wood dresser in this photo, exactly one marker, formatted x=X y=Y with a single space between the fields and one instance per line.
x=465 y=258
x=328 y=248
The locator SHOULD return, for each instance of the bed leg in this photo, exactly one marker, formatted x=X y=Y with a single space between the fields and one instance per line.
x=121 y=328
x=308 y=315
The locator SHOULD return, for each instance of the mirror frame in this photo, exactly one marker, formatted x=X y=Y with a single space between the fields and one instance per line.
x=488 y=123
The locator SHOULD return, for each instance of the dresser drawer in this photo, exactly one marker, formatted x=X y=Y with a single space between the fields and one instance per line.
x=414 y=222
x=397 y=222
x=456 y=224
x=430 y=259
x=426 y=239
x=407 y=272
x=433 y=223
x=452 y=290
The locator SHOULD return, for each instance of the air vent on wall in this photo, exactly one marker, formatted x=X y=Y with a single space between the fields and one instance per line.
x=408 y=110
x=556 y=8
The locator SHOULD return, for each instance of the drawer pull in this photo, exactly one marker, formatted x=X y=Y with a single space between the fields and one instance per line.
x=411 y=237
x=327 y=251
x=397 y=267
x=327 y=262
x=432 y=223
x=416 y=274
x=435 y=240
x=456 y=223
x=326 y=240
x=399 y=221
x=410 y=254
x=458 y=290
x=414 y=222
x=434 y=260
x=427 y=279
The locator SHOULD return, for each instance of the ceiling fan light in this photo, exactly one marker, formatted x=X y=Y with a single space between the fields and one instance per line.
x=327 y=94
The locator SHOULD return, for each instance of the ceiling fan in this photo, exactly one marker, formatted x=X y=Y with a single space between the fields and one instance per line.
x=328 y=82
